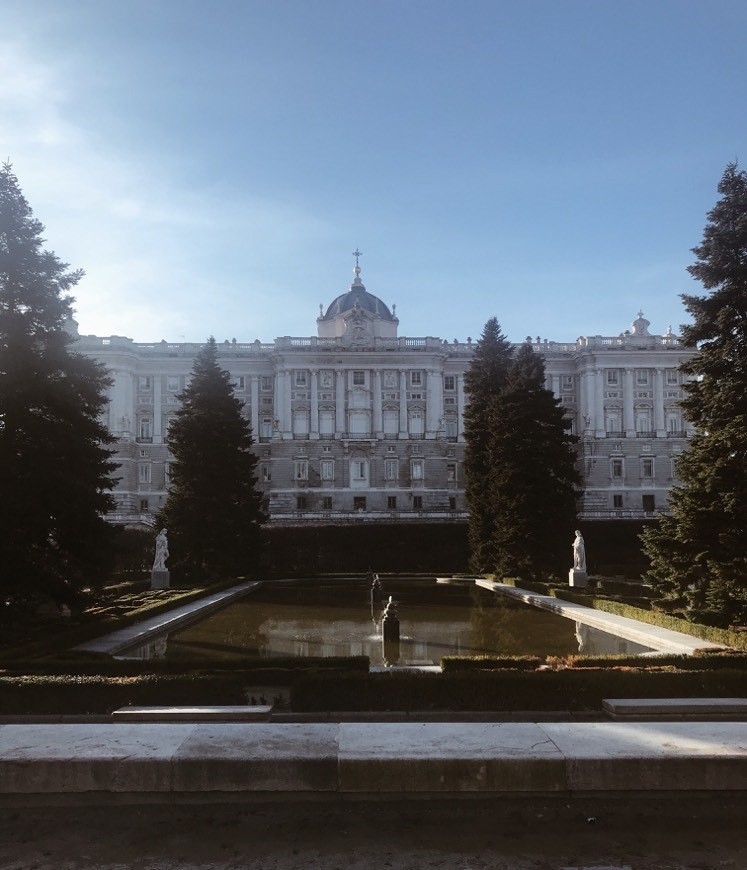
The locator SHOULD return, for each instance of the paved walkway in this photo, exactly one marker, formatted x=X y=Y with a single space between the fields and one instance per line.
x=147 y=630
x=660 y=639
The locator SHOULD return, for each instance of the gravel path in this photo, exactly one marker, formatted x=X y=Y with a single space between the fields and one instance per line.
x=414 y=835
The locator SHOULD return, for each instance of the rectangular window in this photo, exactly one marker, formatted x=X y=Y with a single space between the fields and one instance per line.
x=144 y=473
x=417 y=469
x=265 y=383
x=641 y=377
x=566 y=383
x=416 y=379
x=300 y=502
x=617 y=501
x=143 y=504
x=673 y=377
x=359 y=503
x=265 y=472
x=359 y=469
x=359 y=379
x=265 y=428
x=612 y=377
x=300 y=469
x=327 y=469
x=391 y=502
x=391 y=469
x=301 y=378
x=172 y=383
x=327 y=503
x=167 y=473
x=417 y=502
x=449 y=382
x=145 y=428
x=145 y=382
x=647 y=467
x=616 y=468
x=451 y=472
x=452 y=503
x=239 y=383
x=648 y=502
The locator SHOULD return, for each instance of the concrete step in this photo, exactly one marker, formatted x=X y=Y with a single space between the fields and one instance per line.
x=245 y=713
x=702 y=709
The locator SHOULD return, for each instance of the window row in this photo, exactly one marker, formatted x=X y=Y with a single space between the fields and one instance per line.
x=360 y=503
x=359 y=470
x=646 y=466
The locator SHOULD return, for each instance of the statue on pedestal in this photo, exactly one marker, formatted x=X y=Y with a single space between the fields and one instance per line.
x=162 y=551
x=577 y=575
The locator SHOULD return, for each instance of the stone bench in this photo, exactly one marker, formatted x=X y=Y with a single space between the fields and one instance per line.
x=243 y=713
x=712 y=709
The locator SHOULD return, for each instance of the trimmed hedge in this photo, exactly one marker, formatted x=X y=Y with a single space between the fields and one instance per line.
x=100 y=664
x=451 y=664
x=45 y=695
x=505 y=690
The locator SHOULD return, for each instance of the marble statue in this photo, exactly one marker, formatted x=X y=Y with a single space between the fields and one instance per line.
x=579 y=552
x=162 y=551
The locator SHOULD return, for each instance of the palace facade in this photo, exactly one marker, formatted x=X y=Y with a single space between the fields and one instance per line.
x=358 y=424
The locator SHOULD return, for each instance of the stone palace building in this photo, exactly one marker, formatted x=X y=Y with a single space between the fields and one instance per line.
x=359 y=424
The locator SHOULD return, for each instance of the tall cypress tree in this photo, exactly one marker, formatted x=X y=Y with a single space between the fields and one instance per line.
x=55 y=468
x=533 y=475
x=213 y=511
x=483 y=382
x=698 y=555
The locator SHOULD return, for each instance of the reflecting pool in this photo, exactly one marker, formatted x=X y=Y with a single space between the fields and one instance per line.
x=343 y=618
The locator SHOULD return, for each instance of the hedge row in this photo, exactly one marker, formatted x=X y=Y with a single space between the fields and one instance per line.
x=505 y=690
x=100 y=664
x=36 y=695
x=699 y=662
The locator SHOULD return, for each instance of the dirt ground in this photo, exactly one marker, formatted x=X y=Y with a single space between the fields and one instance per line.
x=701 y=834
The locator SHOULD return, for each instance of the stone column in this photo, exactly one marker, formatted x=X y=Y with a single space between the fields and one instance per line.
x=434 y=408
x=588 y=415
x=402 y=403
x=600 y=425
x=378 y=416
x=460 y=406
x=157 y=410
x=628 y=419
x=254 y=399
x=284 y=403
x=340 y=402
x=314 y=422
x=659 y=424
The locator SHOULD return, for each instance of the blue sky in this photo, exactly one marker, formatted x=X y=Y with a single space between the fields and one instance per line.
x=213 y=165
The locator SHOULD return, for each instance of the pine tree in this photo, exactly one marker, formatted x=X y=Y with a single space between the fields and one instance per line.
x=55 y=468
x=534 y=476
x=698 y=555
x=213 y=512
x=483 y=383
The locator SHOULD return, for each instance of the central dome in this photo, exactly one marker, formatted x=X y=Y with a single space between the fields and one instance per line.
x=358 y=295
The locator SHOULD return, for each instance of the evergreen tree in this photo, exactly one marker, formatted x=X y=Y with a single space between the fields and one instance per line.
x=55 y=468
x=483 y=383
x=213 y=512
x=698 y=555
x=533 y=475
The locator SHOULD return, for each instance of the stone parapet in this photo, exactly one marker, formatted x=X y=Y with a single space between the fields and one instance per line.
x=91 y=763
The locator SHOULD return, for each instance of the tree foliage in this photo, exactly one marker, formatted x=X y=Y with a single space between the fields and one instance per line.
x=213 y=511
x=55 y=468
x=520 y=463
x=698 y=555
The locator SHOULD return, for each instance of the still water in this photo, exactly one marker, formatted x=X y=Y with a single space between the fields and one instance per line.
x=343 y=618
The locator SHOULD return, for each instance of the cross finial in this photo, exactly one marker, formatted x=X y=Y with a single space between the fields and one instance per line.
x=356 y=254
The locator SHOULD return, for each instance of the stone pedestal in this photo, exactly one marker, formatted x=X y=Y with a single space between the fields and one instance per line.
x=577 y=577
x=159 y=579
